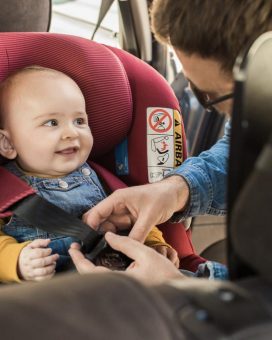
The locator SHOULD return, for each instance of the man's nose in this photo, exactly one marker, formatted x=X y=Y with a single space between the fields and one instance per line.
x=69 y=131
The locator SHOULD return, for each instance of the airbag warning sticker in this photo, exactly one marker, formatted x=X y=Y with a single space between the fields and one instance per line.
x=164 y=142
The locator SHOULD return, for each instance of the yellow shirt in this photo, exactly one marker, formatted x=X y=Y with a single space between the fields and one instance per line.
x=10 y=251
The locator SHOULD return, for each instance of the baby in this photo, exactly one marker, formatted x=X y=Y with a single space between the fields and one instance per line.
x=44 y=133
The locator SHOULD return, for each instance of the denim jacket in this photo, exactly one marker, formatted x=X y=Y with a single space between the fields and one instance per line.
x=206 y=176
x=75 y=193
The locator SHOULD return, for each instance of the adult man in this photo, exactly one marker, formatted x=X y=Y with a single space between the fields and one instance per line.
x=207 y=37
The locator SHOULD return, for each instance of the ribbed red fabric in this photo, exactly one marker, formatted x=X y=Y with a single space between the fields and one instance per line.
x=12 y=191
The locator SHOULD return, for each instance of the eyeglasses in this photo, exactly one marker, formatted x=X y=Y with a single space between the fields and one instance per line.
x=204 y=98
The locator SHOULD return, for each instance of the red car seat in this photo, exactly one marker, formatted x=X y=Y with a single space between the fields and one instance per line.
x=133 y=115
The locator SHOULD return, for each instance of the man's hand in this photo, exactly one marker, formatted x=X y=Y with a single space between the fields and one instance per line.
x=168 y=252
x=140 y=207
x=149 y=266
x=36 y=262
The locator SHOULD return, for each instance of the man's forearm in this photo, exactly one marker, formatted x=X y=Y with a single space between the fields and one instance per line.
x=179 y=190
x=206 y=178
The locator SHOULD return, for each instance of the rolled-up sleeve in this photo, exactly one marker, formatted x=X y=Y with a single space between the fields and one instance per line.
x=206 y=176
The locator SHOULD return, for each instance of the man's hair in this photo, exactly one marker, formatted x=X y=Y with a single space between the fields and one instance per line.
x=215 y=29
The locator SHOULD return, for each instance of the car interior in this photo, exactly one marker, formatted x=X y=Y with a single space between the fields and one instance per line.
x=125 y=24
x=123 y=88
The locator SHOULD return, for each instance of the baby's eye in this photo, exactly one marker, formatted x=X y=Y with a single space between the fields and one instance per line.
x=80 y=121
x=51 y=122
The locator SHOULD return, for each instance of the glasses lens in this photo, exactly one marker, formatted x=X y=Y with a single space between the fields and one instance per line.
x=205 y=100
x=200 y=96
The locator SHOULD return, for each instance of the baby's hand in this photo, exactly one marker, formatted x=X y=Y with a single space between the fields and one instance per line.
x=35 y=262
x=168 y=252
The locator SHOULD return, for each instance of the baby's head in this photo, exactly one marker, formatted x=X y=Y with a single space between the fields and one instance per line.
x=43 y=122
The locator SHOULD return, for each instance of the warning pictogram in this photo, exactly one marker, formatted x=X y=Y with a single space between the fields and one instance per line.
x=160 y=121
x=164 y=141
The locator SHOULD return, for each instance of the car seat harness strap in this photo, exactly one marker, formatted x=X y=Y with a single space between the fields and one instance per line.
x=40 y=213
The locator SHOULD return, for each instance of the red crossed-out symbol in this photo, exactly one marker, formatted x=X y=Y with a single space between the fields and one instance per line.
x=160 y=120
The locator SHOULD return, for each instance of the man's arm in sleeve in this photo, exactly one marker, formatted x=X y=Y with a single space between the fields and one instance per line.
x=206 y=176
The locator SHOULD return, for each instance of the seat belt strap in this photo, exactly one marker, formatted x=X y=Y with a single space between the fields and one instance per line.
x=127 y=22
x=44 y=215
x=19 y=198
x=23 y=201
x=104 y=8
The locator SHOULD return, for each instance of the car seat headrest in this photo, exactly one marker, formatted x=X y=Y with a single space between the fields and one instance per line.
x=95 y=68
x=250 y=185
x=25 y=16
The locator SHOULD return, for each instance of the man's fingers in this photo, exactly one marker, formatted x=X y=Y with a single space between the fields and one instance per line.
x=83 y=265
x=121 y=220
x=75 y=245
x=176 y=262
x=112 y=213
x=162 y=250
x=98 y=214
x=141 y=227
x=107 y=226
x=133 y=249
x=172 y=254
x=39 y=243
x=75 y=253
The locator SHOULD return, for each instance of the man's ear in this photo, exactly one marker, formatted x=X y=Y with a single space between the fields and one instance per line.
x=6 y=148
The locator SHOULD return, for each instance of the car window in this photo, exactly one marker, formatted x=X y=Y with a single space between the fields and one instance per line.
x=79 y=17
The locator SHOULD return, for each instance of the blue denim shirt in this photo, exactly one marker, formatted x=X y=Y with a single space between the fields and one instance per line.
x=206 y=176
x=75 y=193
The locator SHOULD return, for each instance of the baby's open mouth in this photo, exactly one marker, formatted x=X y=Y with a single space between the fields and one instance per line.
x=68 y=151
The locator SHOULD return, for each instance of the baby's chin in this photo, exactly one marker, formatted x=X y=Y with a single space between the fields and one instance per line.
x=59 y=169
x=65 y=169
x=49 y=173
x=59 y=172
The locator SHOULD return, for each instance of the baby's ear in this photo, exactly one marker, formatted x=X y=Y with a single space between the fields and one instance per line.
x=6 y=148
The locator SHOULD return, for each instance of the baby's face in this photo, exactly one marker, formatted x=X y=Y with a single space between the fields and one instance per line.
x=47 y=123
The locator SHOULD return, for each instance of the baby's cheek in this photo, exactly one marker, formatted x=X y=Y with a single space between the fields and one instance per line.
x=89 y=144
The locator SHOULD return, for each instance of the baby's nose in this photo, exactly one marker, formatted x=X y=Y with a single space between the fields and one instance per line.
x=69 y=131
